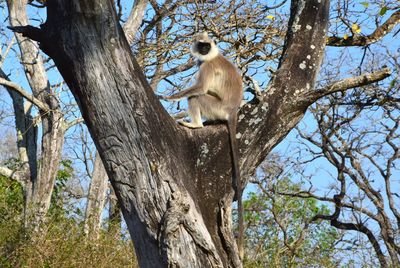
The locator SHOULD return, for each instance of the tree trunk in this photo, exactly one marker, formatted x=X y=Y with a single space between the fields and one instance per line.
x=40 y=186
x=26 y=142
x=96 y=199
x=174 y=184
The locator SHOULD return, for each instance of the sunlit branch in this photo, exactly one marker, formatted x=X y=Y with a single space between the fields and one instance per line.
x=347 y=83
x=15 y=87
x=361 y=40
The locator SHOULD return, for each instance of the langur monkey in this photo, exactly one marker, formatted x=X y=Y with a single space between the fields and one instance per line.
x=216 y=95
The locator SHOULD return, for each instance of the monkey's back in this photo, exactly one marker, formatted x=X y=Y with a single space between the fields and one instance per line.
x=226 y=81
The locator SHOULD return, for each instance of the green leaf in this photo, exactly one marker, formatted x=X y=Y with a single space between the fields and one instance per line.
x=383 y=11
x=365 y=4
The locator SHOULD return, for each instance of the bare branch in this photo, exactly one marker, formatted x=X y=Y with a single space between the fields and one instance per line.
x=305 y=194
x=359 y=40
x=363 y=229
x=15 y=87
x=74 y=123
x=359 y=227
x=347 y=83
x=4 y=55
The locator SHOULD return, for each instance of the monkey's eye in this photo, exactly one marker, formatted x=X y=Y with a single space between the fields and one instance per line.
x=203 y=48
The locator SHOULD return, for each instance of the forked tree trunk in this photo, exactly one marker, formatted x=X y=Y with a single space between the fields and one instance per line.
x=39 y=183
x=173 y=184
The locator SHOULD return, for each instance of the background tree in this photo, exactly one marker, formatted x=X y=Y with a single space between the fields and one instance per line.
x=362 y=150
x=352 y=137
x=38 y=168
x=278 y=227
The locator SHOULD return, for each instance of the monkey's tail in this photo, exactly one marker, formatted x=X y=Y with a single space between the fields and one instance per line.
x=236 y=181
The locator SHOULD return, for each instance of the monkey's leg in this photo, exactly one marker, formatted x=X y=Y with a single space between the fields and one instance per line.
x=211 y=107
x=194 y=114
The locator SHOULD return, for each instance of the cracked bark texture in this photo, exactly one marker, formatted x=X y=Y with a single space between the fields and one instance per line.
x=174 y=184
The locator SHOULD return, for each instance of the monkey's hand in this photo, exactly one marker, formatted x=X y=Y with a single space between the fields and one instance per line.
x=167 y=98
x=171 y=98
x=161 y=97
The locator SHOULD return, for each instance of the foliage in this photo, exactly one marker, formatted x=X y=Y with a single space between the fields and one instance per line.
x=65 y=173
x=279 y=233
x=11 y=208
x=61 y=241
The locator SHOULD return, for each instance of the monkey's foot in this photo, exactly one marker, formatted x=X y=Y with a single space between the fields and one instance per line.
x=180 y=115
x=190 y=125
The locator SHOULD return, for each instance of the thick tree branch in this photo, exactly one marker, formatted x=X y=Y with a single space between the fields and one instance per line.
x=15 y=87
x=135 y=19
x=262 y=125
x=31 y=32
x=359 y=40
x=339 y=86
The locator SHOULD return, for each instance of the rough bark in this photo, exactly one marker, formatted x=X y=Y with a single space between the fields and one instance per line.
x=264 y=124
x=174 y=184
x=96 y=199
x=39 y=188
x=99 y=182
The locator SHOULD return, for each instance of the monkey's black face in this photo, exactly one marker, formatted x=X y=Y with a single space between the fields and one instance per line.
x=203 y=48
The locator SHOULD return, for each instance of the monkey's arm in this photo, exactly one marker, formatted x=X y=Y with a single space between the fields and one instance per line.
x=195 y=90
x=200 y=88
